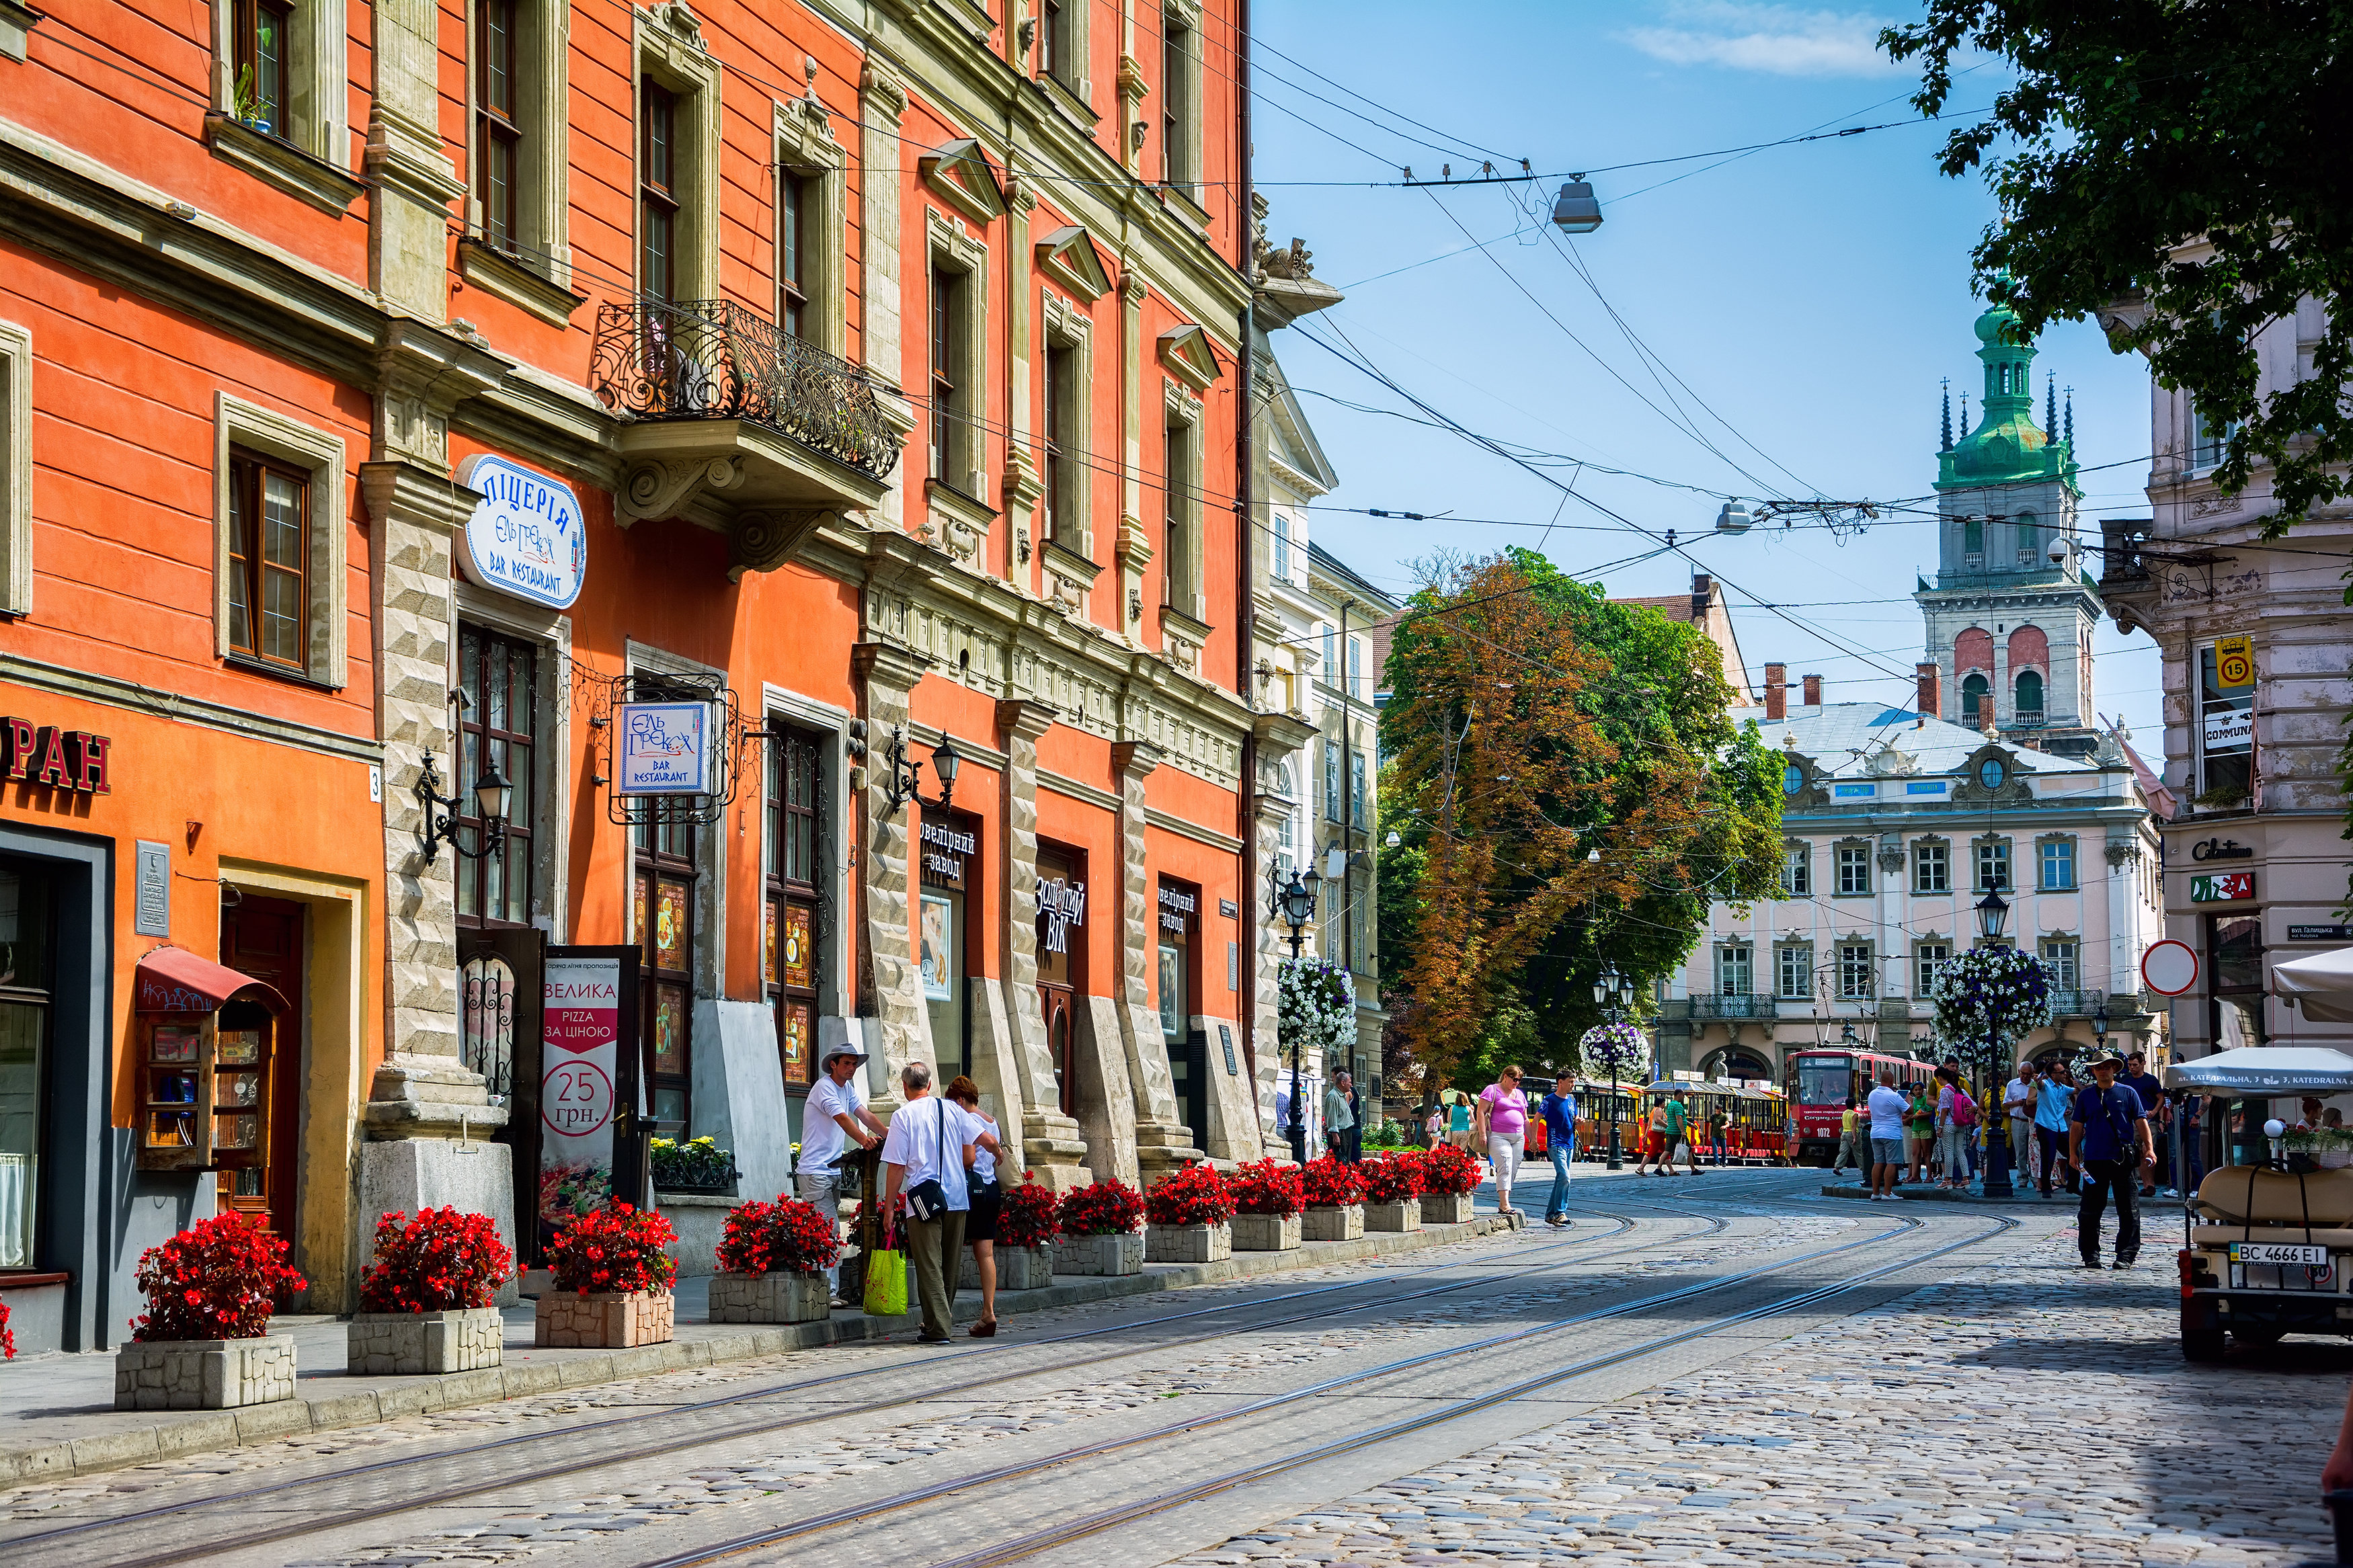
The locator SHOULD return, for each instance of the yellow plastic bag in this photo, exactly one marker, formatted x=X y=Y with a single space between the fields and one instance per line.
x=886 y=1283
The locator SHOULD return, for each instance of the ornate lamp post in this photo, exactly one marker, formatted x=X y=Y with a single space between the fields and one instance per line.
x=1993 y=913
x=1294 y=905
x=1609 y=986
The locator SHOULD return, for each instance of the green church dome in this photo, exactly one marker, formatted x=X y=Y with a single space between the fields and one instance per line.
x=2008 y=446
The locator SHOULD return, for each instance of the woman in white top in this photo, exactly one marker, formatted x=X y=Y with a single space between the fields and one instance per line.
x=987 y=1197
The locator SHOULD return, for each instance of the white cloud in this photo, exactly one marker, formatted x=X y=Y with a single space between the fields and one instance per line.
x=1781 y=40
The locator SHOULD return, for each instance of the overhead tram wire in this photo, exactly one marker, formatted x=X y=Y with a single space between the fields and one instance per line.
x=1259 y=44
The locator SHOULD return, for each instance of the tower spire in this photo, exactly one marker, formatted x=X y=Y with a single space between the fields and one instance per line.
x=1965 y=409
x=2050 y=403
x=1944 y=426
x=2070 y=437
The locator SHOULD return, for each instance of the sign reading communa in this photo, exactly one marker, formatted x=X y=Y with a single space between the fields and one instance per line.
x=526 y=536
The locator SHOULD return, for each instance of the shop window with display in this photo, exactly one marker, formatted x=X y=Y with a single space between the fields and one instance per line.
x=1061 y=957
x=1176 y=981
x=949 y=868
x=795 y=916
x=665 y=924
x=27 y=929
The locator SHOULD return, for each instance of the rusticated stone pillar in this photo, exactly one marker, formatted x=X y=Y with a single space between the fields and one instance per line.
x=1051 y=1138
x=889 y=982
x=1163 y=1143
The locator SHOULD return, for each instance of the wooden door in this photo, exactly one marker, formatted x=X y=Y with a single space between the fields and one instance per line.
x=263 y=938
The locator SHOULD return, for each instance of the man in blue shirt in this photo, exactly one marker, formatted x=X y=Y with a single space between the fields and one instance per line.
x=1560 y=1137
x=2108 y=1140
x=2055 y=1101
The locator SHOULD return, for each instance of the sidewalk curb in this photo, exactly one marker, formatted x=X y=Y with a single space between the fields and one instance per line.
x=211 y=1430
x=2057 y=1203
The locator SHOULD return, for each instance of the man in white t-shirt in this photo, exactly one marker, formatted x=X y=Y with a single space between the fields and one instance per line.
x=1887 y=1108
x=833 y=1118
x=2018 y=1098
x=930 y=1140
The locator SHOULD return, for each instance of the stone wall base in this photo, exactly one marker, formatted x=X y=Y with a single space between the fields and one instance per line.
x=1120 y=1254
x=1188 y=1242
x=604 y=1320
x=411 y=1344
x=203 y=1374
x=1343 y=1222
x=1266 y=1232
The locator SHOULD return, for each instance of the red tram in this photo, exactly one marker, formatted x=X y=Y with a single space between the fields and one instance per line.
x=1823 y=1083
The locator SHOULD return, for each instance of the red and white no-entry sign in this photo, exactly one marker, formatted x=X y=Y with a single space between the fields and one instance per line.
x=2169 y=967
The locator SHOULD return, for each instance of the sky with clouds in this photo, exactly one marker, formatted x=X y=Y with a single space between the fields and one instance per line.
x=1763 y=324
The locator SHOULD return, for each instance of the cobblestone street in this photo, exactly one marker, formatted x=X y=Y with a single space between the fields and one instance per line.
x=1726 y=1369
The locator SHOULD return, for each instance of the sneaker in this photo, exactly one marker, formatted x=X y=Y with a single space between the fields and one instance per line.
x=2091 y=1263
x=2123 y=1263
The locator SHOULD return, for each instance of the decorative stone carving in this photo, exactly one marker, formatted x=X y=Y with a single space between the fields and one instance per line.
x=659 y=488
x=763 y=541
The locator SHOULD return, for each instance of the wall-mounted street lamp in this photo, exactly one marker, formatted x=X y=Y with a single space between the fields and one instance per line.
x=492 y=796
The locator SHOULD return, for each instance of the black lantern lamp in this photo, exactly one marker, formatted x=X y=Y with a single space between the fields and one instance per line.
x=493 y=796
x=1993 y=910
x=945 y=762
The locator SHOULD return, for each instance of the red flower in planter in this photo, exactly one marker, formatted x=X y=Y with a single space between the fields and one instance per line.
x=214 y=1281
x=786 y=1237
x=630 y=1243
x=1195 y=1195
x=1030 y=1216
x=8 y=1338
x=441 y=1261
x=1393 y=1178
x=1448 y=1169
x=1330 y=1184
x=1264 y=1186
x=1102 y=1209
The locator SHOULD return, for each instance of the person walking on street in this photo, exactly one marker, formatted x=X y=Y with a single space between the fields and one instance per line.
x=925 y=1158
x=1920 y=1128
x=1503 y=1124
x=1458 y=1117
x=1853 y=1142
x=1655 y=1140
x=1957 y=1121
x=2054 y=1105
x=2143 y=1082
x=2108 y=1142
x=1886 y=1108
x=987 y=1197
x=1559 y=1110
x=1430 y=1127
x=1355 y=1119
x=1679 y=1136
x=833 y=1118
x=2018 y=1102
x=1339 y=1121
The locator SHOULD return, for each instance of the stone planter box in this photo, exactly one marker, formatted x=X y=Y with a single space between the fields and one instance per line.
x=779 y=1296
x=1343 y=1223
x=203 y=1374
x=606 y=1321
x=1445 y=1208
x=1017 y=1268
x=411 y=1344
x=1405 y=1215
x=1265 y=1232
x=1188 y=1242
x=1120 y=1254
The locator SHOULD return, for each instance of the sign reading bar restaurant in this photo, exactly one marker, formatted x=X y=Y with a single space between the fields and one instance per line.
x=48 y=755
x=665 y=748
x=526 y=536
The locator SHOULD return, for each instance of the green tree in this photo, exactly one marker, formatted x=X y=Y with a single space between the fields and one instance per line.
x=1570 y=792
x=2175 y=170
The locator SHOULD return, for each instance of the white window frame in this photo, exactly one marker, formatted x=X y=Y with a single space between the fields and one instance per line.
x=805 y=149
x=236 y=423
x=1990 y=851
x=1926 y=855
x=2043 y=857
x=1853 y=866
x=317 y=77
x=952 y=252
x=1794 y=958
x=1736 y=960
x=1858 y=972
x=2062 y=959
x=675 y=55
x=1067 y=328
x=1927 y=957
x=1798 y=870
x=15 y=469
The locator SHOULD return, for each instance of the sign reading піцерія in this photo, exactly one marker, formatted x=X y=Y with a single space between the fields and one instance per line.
x=526 y=536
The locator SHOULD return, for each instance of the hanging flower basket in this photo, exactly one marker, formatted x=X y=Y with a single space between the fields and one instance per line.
x=1616 y=1049
x=1315 y=1008
x=1986 y=1001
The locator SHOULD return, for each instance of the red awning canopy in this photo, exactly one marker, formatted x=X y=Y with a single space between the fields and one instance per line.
x=174 y=980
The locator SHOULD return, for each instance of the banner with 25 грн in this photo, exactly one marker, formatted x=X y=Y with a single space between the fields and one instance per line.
x=589 y=1084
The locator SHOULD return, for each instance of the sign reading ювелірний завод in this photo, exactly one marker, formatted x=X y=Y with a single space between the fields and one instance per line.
x=526 y=536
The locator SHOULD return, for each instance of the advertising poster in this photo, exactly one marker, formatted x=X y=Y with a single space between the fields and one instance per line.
x=579 y=1101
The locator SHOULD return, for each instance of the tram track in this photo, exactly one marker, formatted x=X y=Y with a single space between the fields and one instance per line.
x=285 y=1493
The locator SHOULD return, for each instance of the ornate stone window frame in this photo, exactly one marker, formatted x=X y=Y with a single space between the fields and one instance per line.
x=805 y=149
x=1920 y=847
x=309 y=157
x=1839 y=849
x=951 y=249
x=535 y=274
x=15 y=469
x=2010 y=861
x=1920 y=944
x=1068 y=256
x=1065 y=326
x=1181 y=163
x=236 y=423
x=2044 y=941
x=1785 y=944
x=669 y=47
x=2075 y=862
x=1188 y=624
x=1804 y=850
x=550 y=632
x=1847 y=945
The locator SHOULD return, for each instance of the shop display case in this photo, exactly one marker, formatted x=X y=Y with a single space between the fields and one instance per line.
x=205 y=1035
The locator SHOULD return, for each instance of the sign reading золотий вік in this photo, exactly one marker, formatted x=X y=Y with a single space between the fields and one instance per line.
x=665 y=748
x=526 y=536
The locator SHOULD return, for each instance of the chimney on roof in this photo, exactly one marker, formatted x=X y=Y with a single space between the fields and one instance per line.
x=1931 y=699
x=1813 y=691
x=1776 y=693
x=1702 y=594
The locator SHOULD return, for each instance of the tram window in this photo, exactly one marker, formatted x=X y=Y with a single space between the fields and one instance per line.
x=1824 y=1081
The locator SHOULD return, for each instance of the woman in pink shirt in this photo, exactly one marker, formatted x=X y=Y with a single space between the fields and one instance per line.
x=1504 y=1122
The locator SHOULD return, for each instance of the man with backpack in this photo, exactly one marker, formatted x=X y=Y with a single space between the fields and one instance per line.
x=2108 y=1142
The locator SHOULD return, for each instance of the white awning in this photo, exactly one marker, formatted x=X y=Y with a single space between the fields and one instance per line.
x=2260 y=1071
x=2322 y=986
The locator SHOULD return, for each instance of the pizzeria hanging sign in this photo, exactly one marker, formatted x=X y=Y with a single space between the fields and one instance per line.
x=526 y=536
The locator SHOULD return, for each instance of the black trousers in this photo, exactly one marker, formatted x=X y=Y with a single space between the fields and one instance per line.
x=2102 y=1177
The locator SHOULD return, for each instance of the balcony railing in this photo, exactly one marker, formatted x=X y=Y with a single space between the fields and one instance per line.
x=2026 y=719
x=713 y=358
x=1739 y=1005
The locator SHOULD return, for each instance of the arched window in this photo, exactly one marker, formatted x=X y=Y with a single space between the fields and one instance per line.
x=2030 y=694
x=1974 y=689
x=1973 y=536
x=2029 y=542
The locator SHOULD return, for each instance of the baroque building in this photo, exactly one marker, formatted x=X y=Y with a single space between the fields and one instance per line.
x=559 y=559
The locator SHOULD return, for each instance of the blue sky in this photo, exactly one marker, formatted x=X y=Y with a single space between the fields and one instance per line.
x=1809 y=296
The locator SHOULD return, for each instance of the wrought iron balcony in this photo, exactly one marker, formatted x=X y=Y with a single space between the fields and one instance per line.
x=2082 y=1003
x=1736 y=1005
x=713 y=358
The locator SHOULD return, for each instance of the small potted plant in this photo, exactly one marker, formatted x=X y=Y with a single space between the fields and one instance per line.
x=428 y=1302
x=1101 y=1230
x=1190 y=1210
x=698 y=1165
x=772 y=1264
x=1393 y=1191
x=1267 y=1201
x=612 y=1280
x=203 y=1342
x=1025 y=1225
x=1334 y=1195
x=1450 y=1174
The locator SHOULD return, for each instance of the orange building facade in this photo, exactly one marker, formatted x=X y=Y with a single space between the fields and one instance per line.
x=525 y=496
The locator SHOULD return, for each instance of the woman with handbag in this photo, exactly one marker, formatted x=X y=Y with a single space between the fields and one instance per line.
x=987 y=1198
